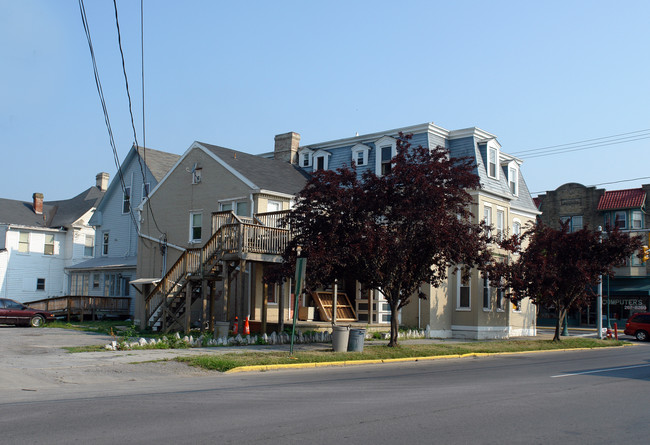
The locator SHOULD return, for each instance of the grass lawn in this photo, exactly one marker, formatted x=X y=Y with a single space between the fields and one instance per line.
x=228 y=361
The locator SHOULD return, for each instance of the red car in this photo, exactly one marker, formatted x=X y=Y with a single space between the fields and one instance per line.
x=638 y=325
x=12 y=312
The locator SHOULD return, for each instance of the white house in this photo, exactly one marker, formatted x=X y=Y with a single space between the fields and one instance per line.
x=39 y=239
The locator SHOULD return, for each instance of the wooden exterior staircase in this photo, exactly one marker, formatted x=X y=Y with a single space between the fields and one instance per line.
x=234 y=238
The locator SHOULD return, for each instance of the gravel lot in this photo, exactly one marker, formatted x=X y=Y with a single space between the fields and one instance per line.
x=34 y=359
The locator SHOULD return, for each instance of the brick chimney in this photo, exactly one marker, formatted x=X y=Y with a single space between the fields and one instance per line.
x=286 y=147
x=38 y=203
x=102 y=181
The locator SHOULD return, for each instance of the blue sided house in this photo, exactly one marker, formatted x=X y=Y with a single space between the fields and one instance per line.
x=111 y=255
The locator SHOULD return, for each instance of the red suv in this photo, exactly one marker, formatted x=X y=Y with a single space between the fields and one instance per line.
x=12 y=312
x=639 y=326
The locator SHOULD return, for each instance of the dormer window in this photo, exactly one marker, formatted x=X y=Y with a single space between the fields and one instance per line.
x=321 y=160
x=385 y=151
x=305 y=158
x=360 y=154
x=513 y=178
x=493 y=155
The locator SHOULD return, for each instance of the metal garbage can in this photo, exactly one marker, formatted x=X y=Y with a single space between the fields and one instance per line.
x=340 y=336
x=355 y=343
x=221 y=329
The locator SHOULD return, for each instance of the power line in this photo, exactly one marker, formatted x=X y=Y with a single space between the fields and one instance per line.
x=100 y=92
x=128 y=93
x=585 y=147
x=602 y=183
x=583 y=141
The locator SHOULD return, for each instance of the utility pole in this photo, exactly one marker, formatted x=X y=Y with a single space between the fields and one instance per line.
x=599 y=300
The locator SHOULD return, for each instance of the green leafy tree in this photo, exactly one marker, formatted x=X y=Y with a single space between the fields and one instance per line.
x=390 y=232
x=558 y=268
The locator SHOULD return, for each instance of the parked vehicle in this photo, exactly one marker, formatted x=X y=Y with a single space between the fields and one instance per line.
x=638 y=325
x=12 y=312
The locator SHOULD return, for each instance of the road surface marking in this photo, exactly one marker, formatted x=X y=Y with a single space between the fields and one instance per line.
x=600 y=370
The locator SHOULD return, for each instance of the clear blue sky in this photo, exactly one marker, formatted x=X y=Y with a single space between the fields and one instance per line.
x=235 y=74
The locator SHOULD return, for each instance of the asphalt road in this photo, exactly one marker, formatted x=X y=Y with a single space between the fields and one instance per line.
x=594 y=396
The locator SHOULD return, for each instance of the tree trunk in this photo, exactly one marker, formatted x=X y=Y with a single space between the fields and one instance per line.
x=394 y=323
x=561 y=315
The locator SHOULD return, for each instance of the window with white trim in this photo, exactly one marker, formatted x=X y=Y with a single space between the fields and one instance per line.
x=493 y=155
x=226 y=206
x=386 y=160
x=463 y=298
x=23 y=242
x=126 y=200
x=486 y=293
x=385 y=151
x=637 y=219
x=273 y=206
x=105 y=240
x=360 y=154
x=304 y=158
x=40 y=284
x=89 y=246
x=196 y=224
x=487 y=217
x=620 y=219
x=516 y=227
x=500 y=224
x=48 y=247
x=513 y=179
x=320 y=160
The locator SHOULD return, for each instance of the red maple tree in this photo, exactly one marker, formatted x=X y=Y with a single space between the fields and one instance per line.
x=390 y=232
x=557 y=269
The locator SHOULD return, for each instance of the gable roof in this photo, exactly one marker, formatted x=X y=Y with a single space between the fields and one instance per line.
x=158 y=162
x=55 y=213
x=262 y=172
x=621 y=199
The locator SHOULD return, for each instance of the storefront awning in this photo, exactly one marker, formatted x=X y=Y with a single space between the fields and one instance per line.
x=629 y=287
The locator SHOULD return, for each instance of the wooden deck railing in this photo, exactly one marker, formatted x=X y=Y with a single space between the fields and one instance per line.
x=272 y=219
x=82 y=305
x=232 y=234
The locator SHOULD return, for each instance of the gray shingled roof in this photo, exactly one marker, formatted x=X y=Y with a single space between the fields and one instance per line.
x=158 y=162
x=267 y=174
x=55 y=213
x=106 y=263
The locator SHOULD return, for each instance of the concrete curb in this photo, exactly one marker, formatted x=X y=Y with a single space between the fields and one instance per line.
x=398 y=360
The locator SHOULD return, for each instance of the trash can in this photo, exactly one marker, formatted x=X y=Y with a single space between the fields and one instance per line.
x=357 y=336
x=340 y=336
x=221 y=329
